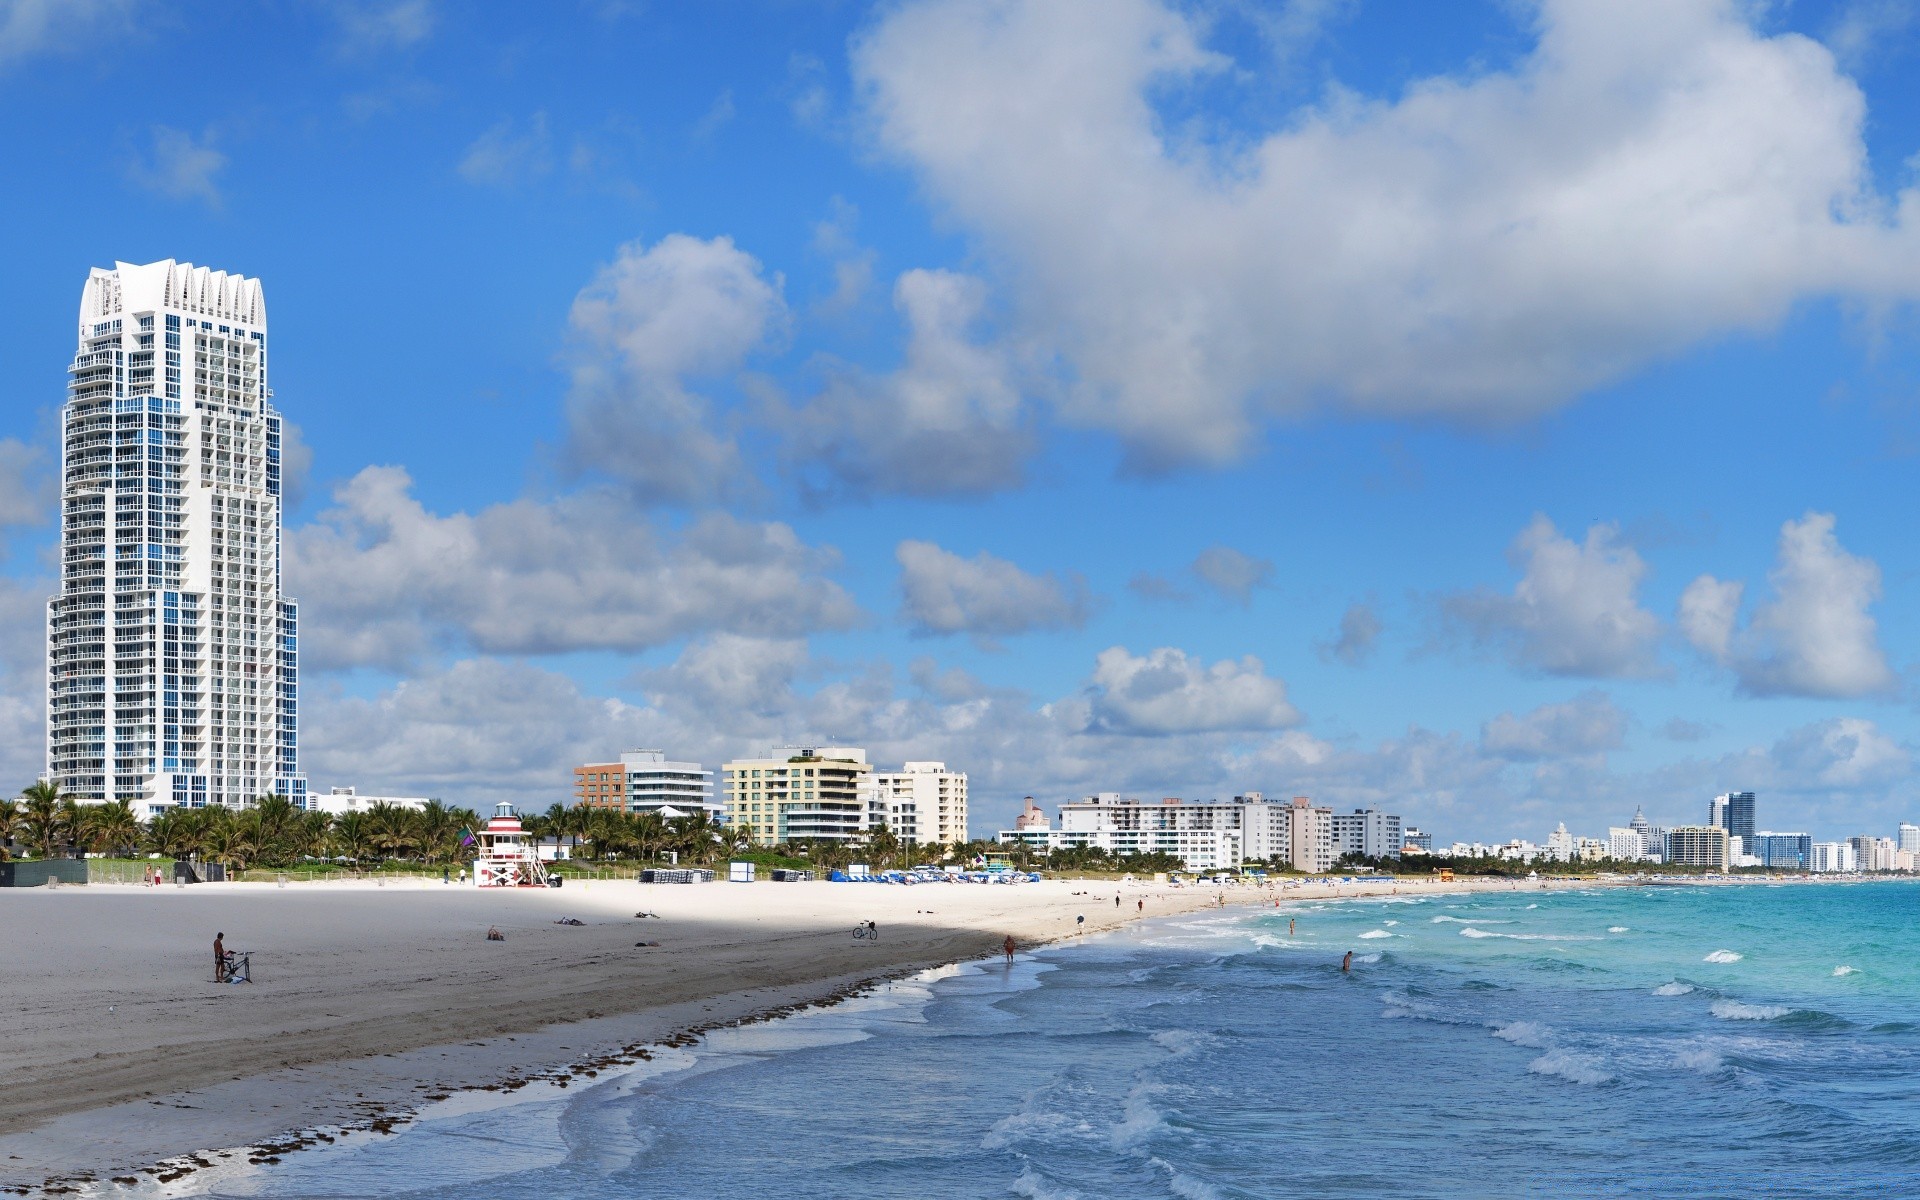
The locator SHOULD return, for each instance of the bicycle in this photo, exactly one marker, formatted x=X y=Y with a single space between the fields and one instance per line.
x=866 y=933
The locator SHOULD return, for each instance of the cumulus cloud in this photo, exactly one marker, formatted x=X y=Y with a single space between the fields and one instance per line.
x=1359 y=632
x=1480 y=246
x=385 y=581
x=29 y=27
x=508 y=155
x=1165 y=691
x=180 y=166
x=948 y=421
x=1813 y=636
x=655 y=318
x=1587 y=724
x=1575 y=611
x=989 y=597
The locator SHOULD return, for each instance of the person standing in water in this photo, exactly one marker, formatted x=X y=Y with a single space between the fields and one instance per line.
x=1290 y=921
x=1008 y=947
x=1346 y=964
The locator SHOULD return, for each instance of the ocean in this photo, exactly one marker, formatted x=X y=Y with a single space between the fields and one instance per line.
x=1754 y=1041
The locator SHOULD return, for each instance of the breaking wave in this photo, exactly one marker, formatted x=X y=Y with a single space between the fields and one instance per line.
x=1580 y=1068
x=1375 y=933
x=1523 y=1033
x=1723 y=956
x=1676 y=988
x=1844 y=970
x=1735 y=1010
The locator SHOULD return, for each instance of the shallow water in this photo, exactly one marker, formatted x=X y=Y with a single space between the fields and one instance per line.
x=1751 y=1041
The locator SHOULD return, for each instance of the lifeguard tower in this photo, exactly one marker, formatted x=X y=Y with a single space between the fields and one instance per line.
x=506 y=856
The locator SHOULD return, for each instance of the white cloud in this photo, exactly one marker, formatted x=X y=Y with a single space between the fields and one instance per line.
x=507 y=155
x=1167 y=692
x=1844 y=752
x=391 y=25
x=29 y=27
x=180 y=166
x=1232 y=573
x=989 y=597
x=1587 y=724
x=1482 y=246
x=384 y=581
x=1360 y=630
x=657 y=315
x=948 y=421
x=1813 y=637
x=1575 y=611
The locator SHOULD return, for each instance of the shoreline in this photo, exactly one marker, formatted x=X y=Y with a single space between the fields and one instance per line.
x=164 y=1135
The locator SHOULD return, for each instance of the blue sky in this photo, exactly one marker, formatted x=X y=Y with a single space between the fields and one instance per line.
x=1505 y=413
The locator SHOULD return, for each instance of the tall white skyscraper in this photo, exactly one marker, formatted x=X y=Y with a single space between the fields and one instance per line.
x=172 y=655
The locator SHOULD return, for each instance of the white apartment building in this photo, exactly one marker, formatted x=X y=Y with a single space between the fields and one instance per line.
x=1830 y=857
x=172 y=653
x=1367 y=831
x=647 y=781
x=922 y=802
x=1560 y=844
x=1909 y=838
x=1626 y=844
x=1204 y=834
x=342 y=800
x=799 y=793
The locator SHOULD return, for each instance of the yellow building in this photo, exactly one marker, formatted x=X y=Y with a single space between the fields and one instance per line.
x=799 y=793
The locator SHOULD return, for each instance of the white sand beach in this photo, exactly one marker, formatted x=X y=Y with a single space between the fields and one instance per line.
x=367 y=999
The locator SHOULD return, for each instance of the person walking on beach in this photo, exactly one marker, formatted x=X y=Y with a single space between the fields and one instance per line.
x=1116 y=900
x=220 y=957
x=1008 y=947
x=1080 y=923
x=1141 y=907
x=1346 y=964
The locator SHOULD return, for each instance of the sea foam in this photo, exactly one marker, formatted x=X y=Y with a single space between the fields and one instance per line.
x=1723 y=956
x=1618 y=929
x=1580 y=1068
x=1676 y=988
x=1367 y=958
x=1735 y=1010
x=1844 y=970
x=1375 y=933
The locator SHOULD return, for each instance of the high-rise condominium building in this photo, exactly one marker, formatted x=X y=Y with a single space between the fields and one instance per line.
x=922 y=802
x=172 y=653
x=1698 y=846
x=1733 y=812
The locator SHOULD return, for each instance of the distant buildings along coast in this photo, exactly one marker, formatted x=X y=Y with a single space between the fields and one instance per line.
x=172 y=651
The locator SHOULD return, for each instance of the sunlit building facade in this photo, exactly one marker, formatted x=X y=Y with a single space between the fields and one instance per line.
x=172 y=650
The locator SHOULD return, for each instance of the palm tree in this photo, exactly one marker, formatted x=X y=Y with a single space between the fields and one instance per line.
x=111 y=828
x=279 y=822
x=42 y=815
x=394 y=830
x=9 y=823
x=352 y=836
x=439 y=836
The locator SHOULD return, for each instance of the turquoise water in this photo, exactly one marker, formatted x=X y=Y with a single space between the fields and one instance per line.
x=1707 y=1042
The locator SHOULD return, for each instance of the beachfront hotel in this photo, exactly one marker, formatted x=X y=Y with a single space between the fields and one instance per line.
x=1204 y=834
x=172 y=653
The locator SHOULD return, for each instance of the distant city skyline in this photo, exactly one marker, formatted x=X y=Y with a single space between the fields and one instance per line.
x=1112 y=396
